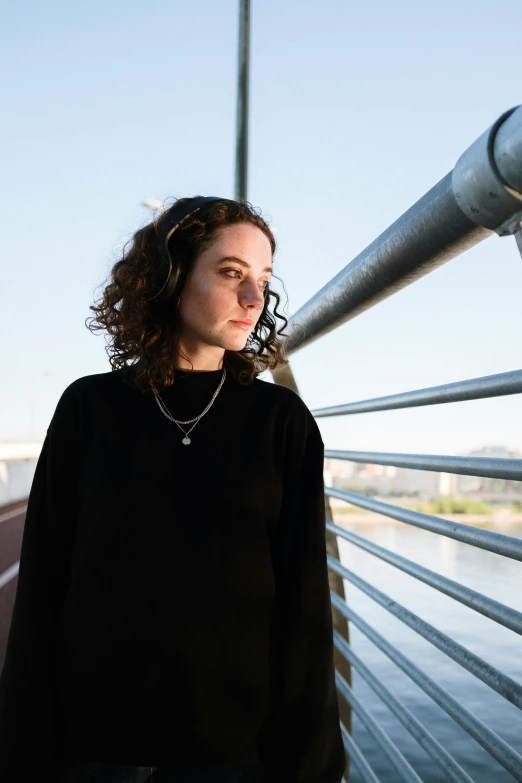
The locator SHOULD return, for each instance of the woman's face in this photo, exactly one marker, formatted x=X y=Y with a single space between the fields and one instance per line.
x=225 y=285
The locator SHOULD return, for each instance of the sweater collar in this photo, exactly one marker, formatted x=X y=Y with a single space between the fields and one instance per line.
x=194 y=381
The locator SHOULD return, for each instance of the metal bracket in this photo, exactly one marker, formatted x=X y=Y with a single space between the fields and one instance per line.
x=479 y=188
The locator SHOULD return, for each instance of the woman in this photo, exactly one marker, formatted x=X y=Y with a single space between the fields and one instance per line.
x=172 y=620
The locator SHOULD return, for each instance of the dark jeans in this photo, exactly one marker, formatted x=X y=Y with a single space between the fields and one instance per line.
x=92 y=772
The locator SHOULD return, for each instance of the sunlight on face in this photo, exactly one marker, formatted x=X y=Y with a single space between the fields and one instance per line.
x=226 y=284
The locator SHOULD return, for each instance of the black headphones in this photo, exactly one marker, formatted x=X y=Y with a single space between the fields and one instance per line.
x=167 y=274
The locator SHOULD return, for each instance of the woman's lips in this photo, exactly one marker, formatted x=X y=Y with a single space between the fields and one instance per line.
x=243 y=325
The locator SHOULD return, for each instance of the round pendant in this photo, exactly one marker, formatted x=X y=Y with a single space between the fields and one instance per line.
x=186 y=441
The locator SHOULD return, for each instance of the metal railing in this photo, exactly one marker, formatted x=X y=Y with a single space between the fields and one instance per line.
x=481 y=196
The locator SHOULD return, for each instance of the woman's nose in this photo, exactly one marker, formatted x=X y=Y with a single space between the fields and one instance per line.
x=252 y=295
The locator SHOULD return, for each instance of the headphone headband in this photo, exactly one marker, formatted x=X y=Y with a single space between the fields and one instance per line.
x=166 y=271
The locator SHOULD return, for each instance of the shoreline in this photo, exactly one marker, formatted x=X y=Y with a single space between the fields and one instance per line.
x=500 y=520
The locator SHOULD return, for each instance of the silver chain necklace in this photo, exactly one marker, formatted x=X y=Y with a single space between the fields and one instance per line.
x=163 y=408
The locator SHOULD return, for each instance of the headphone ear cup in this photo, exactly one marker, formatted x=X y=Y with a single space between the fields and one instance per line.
x=166 y=273
x=178 y=274
x=170 y=265
x=172 y=284
x=178 y=269
x=160 y=275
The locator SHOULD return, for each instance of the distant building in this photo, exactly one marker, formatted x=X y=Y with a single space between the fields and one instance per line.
x=386 y=480
x=490 y=489
x=17 y=466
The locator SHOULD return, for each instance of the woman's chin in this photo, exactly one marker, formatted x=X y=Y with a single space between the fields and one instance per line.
x=235 y=343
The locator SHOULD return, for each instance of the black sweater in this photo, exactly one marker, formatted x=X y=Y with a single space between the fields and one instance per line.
x=173 y=605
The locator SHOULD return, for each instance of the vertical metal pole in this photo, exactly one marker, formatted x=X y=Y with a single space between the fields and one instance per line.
x=242 y=102
x=285 y=377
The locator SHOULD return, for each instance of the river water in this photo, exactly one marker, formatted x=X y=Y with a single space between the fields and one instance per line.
x=493 y=575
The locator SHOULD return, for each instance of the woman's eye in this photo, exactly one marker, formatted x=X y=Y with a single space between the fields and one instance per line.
x=238 y=271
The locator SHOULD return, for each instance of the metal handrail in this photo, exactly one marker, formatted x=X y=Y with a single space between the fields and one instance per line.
x=481 y=195
x=405 y=770
x=461 y=210
x=499 y=385
x=418 y=731
x=486 y=737
x=504 y=685
x=498 y=543
x=493 y=610
x=359 y=762
x=485 y=467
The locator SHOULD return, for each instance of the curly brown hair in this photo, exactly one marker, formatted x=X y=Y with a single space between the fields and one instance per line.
x=143 y=332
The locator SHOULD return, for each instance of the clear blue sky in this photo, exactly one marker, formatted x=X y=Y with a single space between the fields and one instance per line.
x=356 y=111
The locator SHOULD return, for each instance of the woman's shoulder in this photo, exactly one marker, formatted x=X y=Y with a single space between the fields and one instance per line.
x=100 y=380
x=88 y=387
x=278 y=392
x=293 y=406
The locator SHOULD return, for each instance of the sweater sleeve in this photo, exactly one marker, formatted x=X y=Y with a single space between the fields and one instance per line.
x=29 y=733
x=302 y=741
